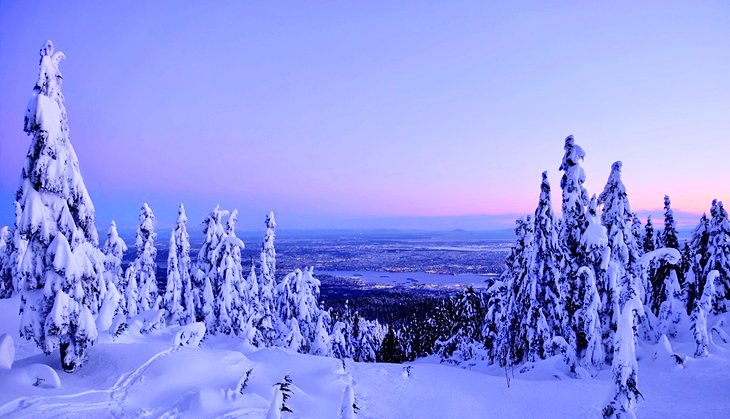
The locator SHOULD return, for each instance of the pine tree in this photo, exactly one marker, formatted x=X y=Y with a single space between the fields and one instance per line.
x=670 y=310
x=6 y=281
x=700 y=312
x=575 y=200
x=16 y=246
x=114 y=249
x=267 y=284
x=624 y=369
x=322 y=343
x=230 y=304
x=391 y=350
x=207 y=264
x=145 y=268
x=464 y=342
x=698 y=257
x=621 y=283
x=510 y=349
x=718 y=250
x=669 y=235
x=649 y=241
x=542 y=318
x=182 y=250
x=59 y=285
x=636 y=230
x=587 y=319
x=173 y=290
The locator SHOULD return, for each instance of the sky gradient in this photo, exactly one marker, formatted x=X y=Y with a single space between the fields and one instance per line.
x=333 y=112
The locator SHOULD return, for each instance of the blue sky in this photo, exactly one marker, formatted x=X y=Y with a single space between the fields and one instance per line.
x=332 y=112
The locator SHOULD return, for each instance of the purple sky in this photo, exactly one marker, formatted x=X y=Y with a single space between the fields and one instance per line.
x=330 y=112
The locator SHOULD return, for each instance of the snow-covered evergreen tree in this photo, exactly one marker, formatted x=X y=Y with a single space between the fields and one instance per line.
x=114 y=249
x=231 y=305
x=700 y=313
x=695 y=261
x=6 y=281
x=543 y=316
x=636 y=230
x=173 y=290
x=718 y=255
x=649 y=240
x=575 y=200
x=464 y=343
x=59 y=285
x=671 y=309
x=669 y=234
x=145 y=268
x=587 y=319
x=511 y=350
x=266 y=324
x=620 y=283
x=207 y=264
x=186 y=314
x=115 y=302
x=322 y=343
x=625 y=369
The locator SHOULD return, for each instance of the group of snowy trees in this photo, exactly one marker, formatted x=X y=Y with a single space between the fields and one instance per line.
x=71 y=289
x=590 y=289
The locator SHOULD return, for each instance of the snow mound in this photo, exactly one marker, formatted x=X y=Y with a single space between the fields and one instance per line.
x=190 y=335
x=41 y=375
x=7 y=351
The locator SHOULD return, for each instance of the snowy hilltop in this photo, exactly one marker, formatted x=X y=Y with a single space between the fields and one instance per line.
x=594 y=315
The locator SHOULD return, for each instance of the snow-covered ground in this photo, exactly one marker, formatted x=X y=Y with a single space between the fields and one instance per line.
x=144 y=376
x=414 y=279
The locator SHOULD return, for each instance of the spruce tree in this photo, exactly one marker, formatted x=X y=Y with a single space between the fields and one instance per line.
x=230 y=304
x=698 y=257
x=649 y=241
x=207 y=263
x=636 y=230
x=182 y=249
x=145 y=268
x=575 y=200
x=625 y=369
x=621 y=282
x=464 y=343
x=6 y=281
x=510 y=349
x=56 y=264
x=700 y=312
x=543 y=314
x=267 y=323
x=718 y=251
x=669 y=235
x=173 y=290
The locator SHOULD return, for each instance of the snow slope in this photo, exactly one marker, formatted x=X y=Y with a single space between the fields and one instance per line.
x=144 y=376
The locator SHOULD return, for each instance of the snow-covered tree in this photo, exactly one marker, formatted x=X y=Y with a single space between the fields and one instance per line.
x=589 y=347
x=636 y=230
x=671 y=309
x=540 y=297
x=207 y=264
x=114 y=249
x=298 y=295
x=718 y=254
x=322 y=343
x=511 y=350
x=340 y=347
x=620 y=283
x=697 y=257
x=145 y=268
x=231 y=305
x=669 y=234
x=181 y=273
x=59 y=276
x=649 y=240
x=575 y=200
x=6 y=281
x=624 y=368
x=266 y=324
x=173 y=291
x=700 y=313
x=464 y=342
